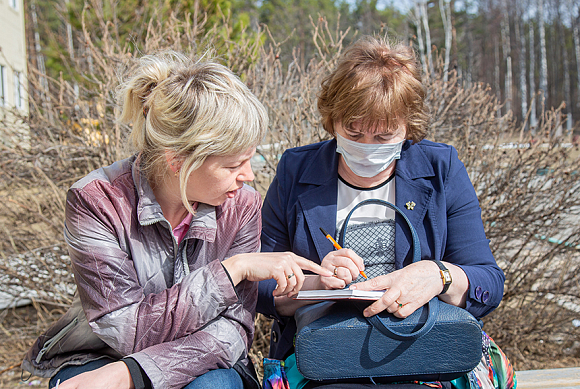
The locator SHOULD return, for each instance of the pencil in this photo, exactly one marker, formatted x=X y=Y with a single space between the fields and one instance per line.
x=337 y=246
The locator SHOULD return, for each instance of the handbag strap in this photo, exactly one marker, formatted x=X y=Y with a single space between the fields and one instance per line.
x=432 y=312
x=432 y=307
x=416 y=244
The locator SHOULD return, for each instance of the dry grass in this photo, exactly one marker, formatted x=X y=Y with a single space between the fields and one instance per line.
x=527 y=194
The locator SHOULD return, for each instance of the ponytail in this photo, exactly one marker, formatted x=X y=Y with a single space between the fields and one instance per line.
x=191 y=109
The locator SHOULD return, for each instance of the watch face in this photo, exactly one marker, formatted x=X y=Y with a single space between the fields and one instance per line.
x=447 y=277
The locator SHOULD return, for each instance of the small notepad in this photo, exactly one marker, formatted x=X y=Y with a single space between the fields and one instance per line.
x=339 y=294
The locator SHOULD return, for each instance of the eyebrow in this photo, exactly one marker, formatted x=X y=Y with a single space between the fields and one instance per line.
x=241 y=160
x=353 y=131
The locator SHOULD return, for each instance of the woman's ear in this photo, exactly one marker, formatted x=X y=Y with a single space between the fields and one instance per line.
x=173 y=161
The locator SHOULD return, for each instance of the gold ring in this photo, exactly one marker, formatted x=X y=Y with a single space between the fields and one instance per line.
x=336 y=271
x=400 y=305
x=290 y=275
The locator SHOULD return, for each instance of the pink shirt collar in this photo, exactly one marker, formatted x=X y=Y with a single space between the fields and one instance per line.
x=183 y=227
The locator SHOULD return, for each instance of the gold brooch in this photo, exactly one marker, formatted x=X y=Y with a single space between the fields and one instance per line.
x=410 y=205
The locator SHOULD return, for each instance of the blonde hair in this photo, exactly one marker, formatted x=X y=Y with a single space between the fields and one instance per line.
x=379 y=83
x=190 y=108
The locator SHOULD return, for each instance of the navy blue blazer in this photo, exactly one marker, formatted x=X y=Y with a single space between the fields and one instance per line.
x=302 y=198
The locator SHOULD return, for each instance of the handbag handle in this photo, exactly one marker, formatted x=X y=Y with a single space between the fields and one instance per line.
x=416 y=244
x=432 y=307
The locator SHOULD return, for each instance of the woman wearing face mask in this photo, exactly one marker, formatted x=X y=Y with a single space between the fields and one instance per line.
x=373 y=106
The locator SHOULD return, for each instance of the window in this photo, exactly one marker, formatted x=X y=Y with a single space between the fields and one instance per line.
x=18 y=92
x=13 y=4
x=2 y=85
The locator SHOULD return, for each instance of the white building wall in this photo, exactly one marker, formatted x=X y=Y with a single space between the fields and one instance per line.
x=13 y=70
x=13 y=53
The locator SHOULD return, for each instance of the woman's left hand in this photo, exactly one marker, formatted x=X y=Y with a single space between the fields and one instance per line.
x=112 y=376
x=411 y=287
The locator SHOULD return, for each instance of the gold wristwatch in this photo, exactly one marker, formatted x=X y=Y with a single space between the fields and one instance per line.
x=445 y=275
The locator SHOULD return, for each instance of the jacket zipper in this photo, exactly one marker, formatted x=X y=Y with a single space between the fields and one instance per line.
x=175 y=244
x=54 y=340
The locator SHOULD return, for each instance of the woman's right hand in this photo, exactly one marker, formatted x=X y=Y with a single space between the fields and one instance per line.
x=345 y=266
x=286 y=268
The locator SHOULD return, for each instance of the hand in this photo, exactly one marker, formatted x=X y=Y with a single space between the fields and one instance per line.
x=112 y=376
x=345 y=266
x=407 y=289
x=286 y=268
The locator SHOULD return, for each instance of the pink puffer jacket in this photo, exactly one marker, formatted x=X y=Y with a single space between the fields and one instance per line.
x=123 y=254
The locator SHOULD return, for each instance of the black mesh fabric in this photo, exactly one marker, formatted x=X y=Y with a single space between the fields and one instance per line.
x=375 y=243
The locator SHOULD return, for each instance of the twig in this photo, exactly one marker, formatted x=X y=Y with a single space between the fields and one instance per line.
x=9 y=368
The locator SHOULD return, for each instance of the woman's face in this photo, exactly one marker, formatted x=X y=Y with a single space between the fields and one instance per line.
x=361 y=134
x=367 y=170
x=219 y=178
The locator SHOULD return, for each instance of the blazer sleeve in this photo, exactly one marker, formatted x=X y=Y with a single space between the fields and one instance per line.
x=467 y=245
x=275 y=235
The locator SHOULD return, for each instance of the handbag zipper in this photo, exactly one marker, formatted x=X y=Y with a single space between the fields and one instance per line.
x=54 y=340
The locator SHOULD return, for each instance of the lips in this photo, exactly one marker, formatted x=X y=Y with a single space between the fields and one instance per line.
x=232 y=193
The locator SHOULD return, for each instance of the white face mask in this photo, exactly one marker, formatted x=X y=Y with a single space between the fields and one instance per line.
x=367 y=159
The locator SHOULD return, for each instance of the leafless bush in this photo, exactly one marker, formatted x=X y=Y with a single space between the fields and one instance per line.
x=290 y=94
x=526 y=185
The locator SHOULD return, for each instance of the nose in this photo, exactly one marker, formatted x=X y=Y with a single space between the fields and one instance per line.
x=246 y=173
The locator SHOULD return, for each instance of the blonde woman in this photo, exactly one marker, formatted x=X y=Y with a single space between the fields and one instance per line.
x=163 y=244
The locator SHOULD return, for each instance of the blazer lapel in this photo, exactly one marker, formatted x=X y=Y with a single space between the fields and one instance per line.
x=320 y=211
x=319 y=203
x=412 y=197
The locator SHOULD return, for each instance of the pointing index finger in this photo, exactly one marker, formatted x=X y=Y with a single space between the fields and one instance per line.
x=306 y=264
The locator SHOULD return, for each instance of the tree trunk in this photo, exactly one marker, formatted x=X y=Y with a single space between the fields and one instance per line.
x=420 y=43
x=576 y=35
x=470 y=54
x=507 y=55
x=532 y=75
x=566 y=67
x=567 y=94
x=543 y=55
x=496 y=74
x=69 y=35
x=446 y=18
x=425 y=19
x=44 y=92
x=521 y=39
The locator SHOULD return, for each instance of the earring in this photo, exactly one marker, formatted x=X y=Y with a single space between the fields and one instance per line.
x=176 y=173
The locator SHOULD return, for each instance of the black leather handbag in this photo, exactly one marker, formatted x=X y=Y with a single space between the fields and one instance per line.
x=438 y=342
